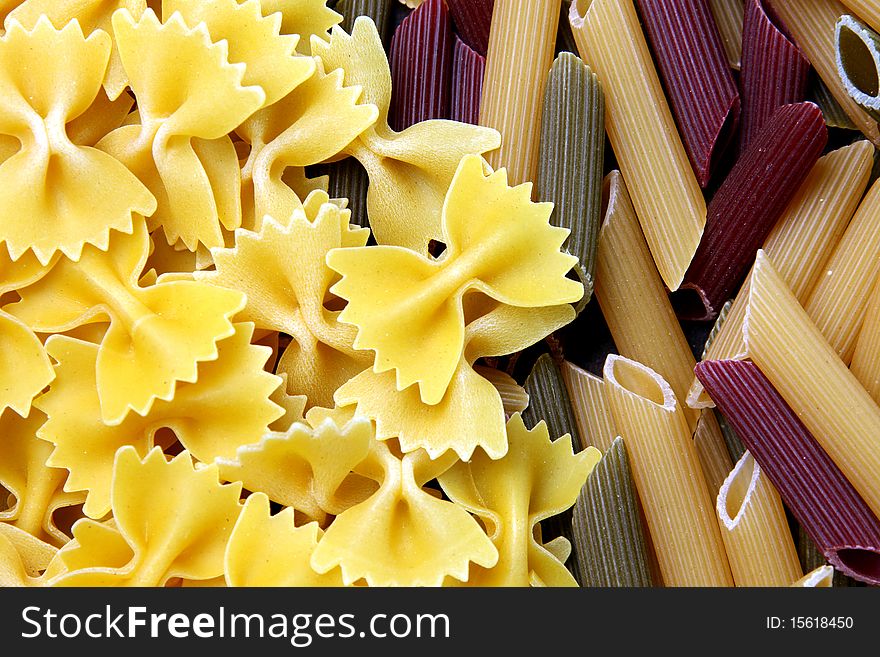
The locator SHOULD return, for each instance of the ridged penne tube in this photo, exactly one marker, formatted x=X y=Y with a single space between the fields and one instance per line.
x=811 y=25
x=801 y=242
x=838 y=302
x=667 y=474
x=755 y=530
x=633 y=301
x=521 y=43
x=378 y=10
x=807 y=372
x=609 y=538
x=866 y=10
x=865 y=363
x=858 y=62
x=821 y=578
x=834 y=115
x=712 y=451
x=548 y=401
x=728 y=16
x=665 y=192
x=571 y=159
x=591 y=410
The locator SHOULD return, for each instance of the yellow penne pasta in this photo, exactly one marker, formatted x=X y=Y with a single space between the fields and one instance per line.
x=665 y=193
x=591 y=410
x=820 y=578
x=865 y=363
x=633 y=301
x=754 y=528
x=712 y=451
x=728 y=15
x=801 y=242
x=811 y=25
x=667 y=474
x=838 y=302
x=866 y=10
x=521 y=43
x=815 y=383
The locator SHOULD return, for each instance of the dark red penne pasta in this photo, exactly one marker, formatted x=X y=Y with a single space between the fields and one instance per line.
x=747 y=205
x=468 y=67
x=421 y=66
x=473 y=18
x=699 y=85
x=773 y=70
x=811 y=485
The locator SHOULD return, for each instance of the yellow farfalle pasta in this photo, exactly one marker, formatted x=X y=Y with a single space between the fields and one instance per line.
x=304 y=17
x=537 y=478
x=24 y=366
x=157 y=335
x=402 y=535
x=267 y=550
x=409 y=171
x=174 y=519
x=228 y=406
x=309 y=469
x=282 y=271
x=24 y=559
x=312 y=123
x=48 y=77
x=408 y=307
x=471 y=413
x=270 y=58
x=92 y=15
x=189 y=98
x=36 y=487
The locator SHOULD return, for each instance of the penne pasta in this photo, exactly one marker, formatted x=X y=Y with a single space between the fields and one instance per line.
x=472 y=21
x=514 y=398
x=807 y=372
x=712 y=450
x=633 y=300
x=811 y=558
x=858 y=62
x=834 y=115
x=865 y=364
x=865 y=10
x=838 y=303
x=468 y=68
x=728 y=15
x=521 y=44
x=609 y=537
x=591 y=410
x=811 y=25
x=822 y=577
x=755 y=530
x=774 y=72
x=549 y=402
x=378 y=10
x=667 y=475
x=801 y=242
x=667 y=198
x=697 y=79
x=348 y=179
x=571 y=159
x=824 y=502
x=750 y=201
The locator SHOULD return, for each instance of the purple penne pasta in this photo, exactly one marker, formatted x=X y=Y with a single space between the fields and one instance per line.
x=773 y=71
x=699 y=85
x=473 y=18
x=421 y=66
x=747 y=205
x=811 y=485
x=468 y=67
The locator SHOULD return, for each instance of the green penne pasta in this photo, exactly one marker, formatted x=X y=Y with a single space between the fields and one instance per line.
x=609 y=539
x=835 y=116
x=378 y=10
x=571 y=159
x=348 y=179
x=549 y=401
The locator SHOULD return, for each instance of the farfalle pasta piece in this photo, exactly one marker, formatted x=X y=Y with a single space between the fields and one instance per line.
x=282 y=271
x=24 y=559
x=402 y=535
x=408 y=307
x=267 y=550
x=157 y=335
x=309 y=469
x=36 y=487
x=24 y=366
x=228 y=406
x=254 y=40
x=304 y=17
x=471 y=413
x=92 y=15
x=294 y=406
x=537 y=478
x=174 y=518
x=189 y=98
x=409 y=171
x=48 y=77
x=312 y=123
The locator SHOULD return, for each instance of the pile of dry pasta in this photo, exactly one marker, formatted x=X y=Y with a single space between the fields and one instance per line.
x=309 y=293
